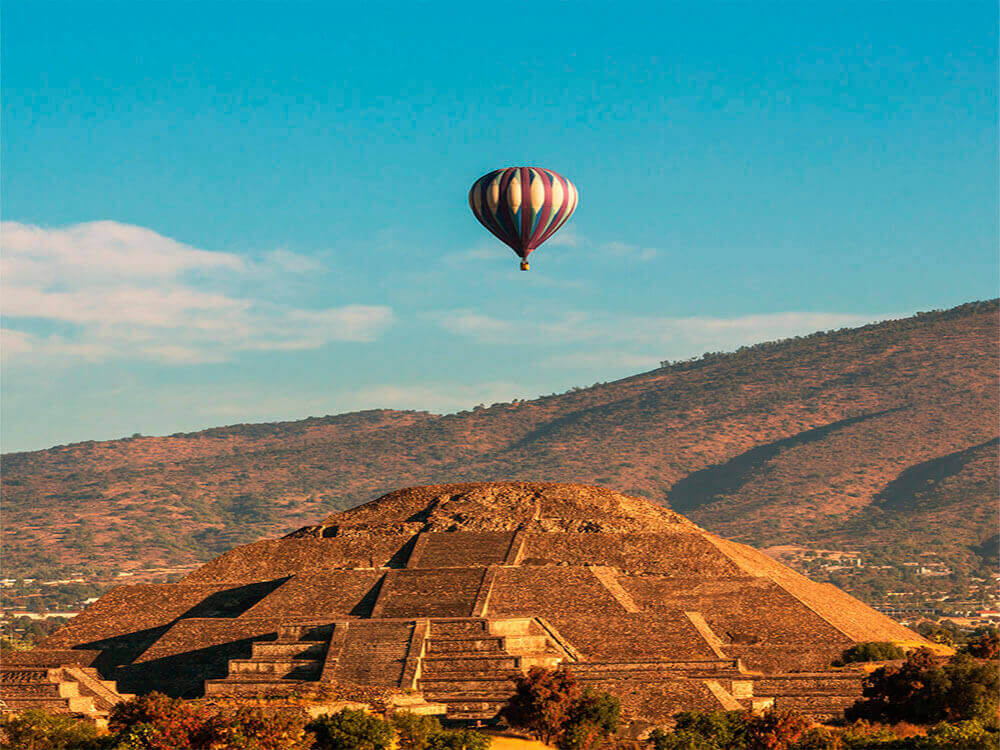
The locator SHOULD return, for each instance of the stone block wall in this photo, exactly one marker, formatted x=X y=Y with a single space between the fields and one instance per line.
x=443 y=592
x=681 y=553
x=460 y=549
x=331 y=594
x=285 y=557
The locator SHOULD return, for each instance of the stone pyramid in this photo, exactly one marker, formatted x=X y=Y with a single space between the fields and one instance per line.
x=451 y=589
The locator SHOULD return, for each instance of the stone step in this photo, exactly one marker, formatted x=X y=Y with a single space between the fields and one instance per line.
x=298 y=669
x=448 y=628
x=712 y=666
x=465 y=645
x=311 y=631
x=499 y=675
x=259 y=687
x=473 y=665
x=526 y=644
x=73 y=705
x=41 y=690
x=824 y=705
x=51 y=705
x=16 y=674
x=515 y=626
x=497 y=689
x=511 y=644
x=289 y=649
x=467 y=708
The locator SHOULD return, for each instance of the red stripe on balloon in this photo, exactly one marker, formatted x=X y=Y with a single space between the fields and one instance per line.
x=543 y=219
x=483 y=215
x=504 y=216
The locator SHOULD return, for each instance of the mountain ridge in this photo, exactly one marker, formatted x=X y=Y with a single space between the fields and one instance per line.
x=834 y=418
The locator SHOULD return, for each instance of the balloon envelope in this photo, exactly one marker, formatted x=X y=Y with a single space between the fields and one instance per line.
x=523 y=206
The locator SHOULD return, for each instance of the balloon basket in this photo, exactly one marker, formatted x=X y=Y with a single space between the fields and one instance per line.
x=524 y=265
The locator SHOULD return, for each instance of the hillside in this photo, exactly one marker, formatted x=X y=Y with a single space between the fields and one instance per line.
x=881 y=438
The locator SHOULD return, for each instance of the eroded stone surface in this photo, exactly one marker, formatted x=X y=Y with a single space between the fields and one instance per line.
x=450 y=589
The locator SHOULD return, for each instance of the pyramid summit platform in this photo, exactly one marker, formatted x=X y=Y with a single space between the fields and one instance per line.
x=451 y=589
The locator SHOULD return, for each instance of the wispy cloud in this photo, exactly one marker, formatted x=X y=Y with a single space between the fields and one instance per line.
x=626 y=251
x=105 y=290
x=639 y=340
x=567 y=236
x=242 y=404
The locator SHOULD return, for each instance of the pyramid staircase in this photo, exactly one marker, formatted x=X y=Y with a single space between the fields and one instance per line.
x=277 y=667
x=468 y=663
x=61 y=690
x=821 y=695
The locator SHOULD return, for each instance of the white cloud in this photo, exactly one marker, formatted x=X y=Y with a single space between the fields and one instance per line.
x=478 y=254
x=639 y=340
x=626 y=251
x=119 y=291
x=566 y=236
x=293 y=262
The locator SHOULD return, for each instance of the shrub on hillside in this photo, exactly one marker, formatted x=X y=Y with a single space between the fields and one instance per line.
x=38 y=730
x=872 y=651
x=923 y=690
x=351 y=730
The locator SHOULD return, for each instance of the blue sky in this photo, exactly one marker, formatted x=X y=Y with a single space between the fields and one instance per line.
x=237 y=212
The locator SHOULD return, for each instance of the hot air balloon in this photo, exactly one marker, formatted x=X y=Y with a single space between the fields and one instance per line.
x=523 y=206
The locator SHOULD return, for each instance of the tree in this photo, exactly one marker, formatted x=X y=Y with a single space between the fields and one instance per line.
x=37 y=730
x=940 y=632
x=872 y=651
x=703 y=730
x=924 y=691
x=414 y=732
x=542 y=702
x=985 y=645
x=351 y=730
x=252 y=728
x=774 y=730
x=458 y=739
x=594 y=717
x=158 y=722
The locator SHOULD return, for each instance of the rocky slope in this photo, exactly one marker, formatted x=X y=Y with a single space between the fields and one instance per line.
x=881 y=438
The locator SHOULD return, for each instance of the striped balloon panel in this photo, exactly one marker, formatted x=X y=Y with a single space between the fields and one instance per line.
x=523 y=206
